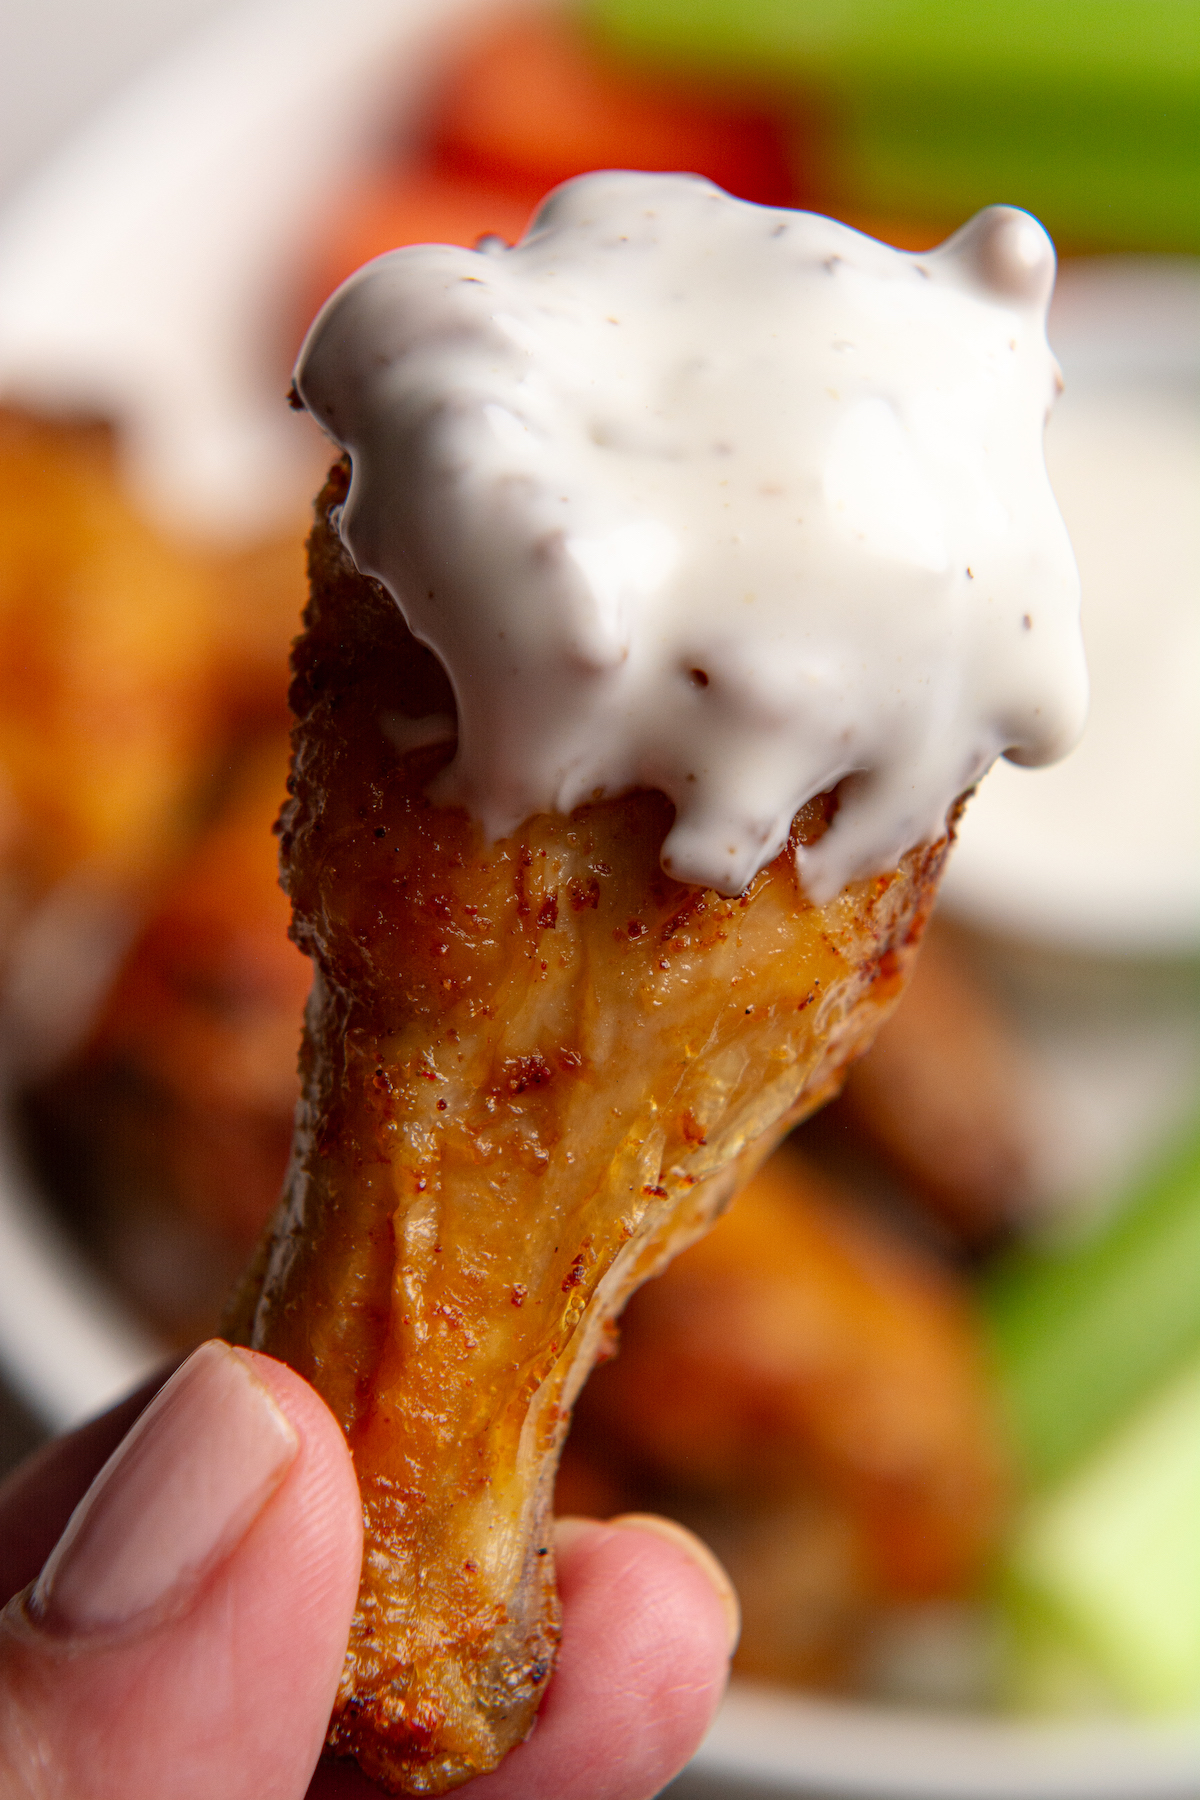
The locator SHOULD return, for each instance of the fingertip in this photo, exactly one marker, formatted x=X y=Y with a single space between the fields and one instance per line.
x=670 y=1531
x=572 y=1529
x=327 y=1472
x=298 y=1400
x=299 y=1569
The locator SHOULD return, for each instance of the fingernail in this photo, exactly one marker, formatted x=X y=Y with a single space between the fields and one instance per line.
x=700 y=1554
x=173 y=1500
x=568 y=1529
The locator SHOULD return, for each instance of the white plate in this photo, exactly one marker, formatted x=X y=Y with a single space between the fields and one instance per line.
x=107 y=297
x=768 y=1745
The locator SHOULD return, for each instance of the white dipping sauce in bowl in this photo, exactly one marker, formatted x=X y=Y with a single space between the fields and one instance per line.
x=1102 y=852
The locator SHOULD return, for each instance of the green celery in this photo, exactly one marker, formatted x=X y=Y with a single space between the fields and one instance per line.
x=1103 y=1576
x=1082 y=1334
x=1085 y=111
x=1151 y=47
x=1133 y=185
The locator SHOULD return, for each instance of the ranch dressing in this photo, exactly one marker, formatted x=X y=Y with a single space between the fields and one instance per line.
x=733 y=502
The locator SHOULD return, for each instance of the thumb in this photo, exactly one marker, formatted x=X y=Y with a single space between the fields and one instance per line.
x=187 y=1632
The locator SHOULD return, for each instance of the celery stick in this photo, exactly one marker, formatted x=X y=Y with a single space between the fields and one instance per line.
x=1106 y=1569
x=1127 y=46
x=1129 y=186
x=1080 y=1336
x=1085 y=111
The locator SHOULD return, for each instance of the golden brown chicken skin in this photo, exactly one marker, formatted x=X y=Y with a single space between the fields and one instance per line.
x=533 y=1070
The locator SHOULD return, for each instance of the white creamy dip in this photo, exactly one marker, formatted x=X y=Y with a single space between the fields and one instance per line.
x=737 y=503
x=1102 y=853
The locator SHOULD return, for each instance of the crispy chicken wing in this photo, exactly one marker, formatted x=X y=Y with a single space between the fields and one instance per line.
x=533 y=1070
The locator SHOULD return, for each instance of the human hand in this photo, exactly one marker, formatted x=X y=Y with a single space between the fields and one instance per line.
x=186 y=1633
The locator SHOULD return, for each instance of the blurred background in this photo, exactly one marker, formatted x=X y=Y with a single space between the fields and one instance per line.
x=932 y=1389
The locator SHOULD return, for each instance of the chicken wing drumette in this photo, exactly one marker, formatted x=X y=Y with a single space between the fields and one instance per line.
x=691 y=560
x=533 y=1071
